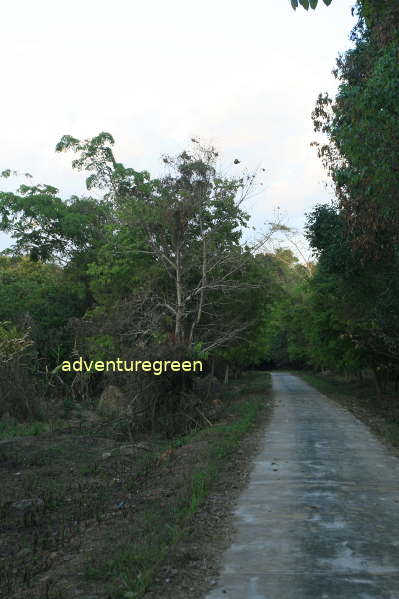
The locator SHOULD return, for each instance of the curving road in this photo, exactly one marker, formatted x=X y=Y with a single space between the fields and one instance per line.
x=319 y=518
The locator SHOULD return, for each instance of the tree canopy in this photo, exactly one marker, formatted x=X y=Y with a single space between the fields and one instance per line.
x=308 y=3
x=349 y=307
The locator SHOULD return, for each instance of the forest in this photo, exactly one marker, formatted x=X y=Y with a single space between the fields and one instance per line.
x=144 y=268
x=166 y=268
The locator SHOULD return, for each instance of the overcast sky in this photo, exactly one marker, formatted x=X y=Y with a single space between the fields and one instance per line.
x=241 y=75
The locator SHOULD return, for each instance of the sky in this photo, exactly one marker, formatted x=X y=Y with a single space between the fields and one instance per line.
x=243 y=76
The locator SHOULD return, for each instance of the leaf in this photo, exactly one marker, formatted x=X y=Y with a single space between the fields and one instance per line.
x=294 y=4
x=304 y=3
x=313 y=3
x=327 y=2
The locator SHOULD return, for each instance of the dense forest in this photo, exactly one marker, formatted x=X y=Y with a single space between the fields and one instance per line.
x=160 y=268
x=345 y=317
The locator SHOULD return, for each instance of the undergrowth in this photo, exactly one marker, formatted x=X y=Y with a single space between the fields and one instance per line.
x=136 y=558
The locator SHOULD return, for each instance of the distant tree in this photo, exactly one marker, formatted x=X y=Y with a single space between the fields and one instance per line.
x=47 y=228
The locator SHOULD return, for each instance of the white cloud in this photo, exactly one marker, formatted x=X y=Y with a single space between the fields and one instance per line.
x=243 y=75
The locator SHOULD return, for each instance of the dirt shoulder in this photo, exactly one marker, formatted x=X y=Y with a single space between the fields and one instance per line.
x=81 y=517
x=193 y=565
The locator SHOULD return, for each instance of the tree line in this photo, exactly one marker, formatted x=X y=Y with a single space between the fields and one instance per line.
x=155 y=268
x=140 y=268
x=345 y=317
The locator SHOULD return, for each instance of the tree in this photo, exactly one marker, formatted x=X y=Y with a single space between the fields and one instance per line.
x=19 y=392
x=286 y=327
x=308 y=3
x=42 y=297
x=184 y=228
x=362 y=128
x=153 y=268
x=48 y=228
x=355 y=287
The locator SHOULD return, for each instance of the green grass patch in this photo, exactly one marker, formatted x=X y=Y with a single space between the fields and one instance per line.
x=10 y=428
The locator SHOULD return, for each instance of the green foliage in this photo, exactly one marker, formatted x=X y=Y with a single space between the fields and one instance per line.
x=101 y=346
x=350 y=310
x=153 y=269
x=42 y=296
x=10 y=427
x=286 y=328
x=12 y=343
x=96 y=155
x=308 y=3
x=19 y=394
x=198 y=352
x=131 y=568
x=362 y=127
x=48 y=228
x=176 y=238
x=253 y=304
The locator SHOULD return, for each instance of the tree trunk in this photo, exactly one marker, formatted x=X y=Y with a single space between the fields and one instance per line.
x=179 y=300
x=377 y=384
x=197 y=318
x=226 y=375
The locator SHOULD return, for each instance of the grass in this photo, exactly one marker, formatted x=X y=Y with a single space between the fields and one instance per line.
x=77 y=489
x=10 y=428
x=380 y=414
x=140 y=505
x=136 y=559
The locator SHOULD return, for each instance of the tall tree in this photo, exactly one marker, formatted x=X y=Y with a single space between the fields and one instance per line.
x=188 y=224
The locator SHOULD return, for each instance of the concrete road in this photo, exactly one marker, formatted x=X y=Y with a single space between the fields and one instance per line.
x=320 y=516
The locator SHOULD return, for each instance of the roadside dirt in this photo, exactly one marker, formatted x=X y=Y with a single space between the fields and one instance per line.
x=193 y=566
x=66 y=498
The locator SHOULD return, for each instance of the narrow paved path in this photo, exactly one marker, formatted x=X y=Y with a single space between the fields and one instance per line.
x=320 y=516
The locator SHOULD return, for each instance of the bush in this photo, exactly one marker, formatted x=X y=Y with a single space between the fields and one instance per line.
x=19 y=393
